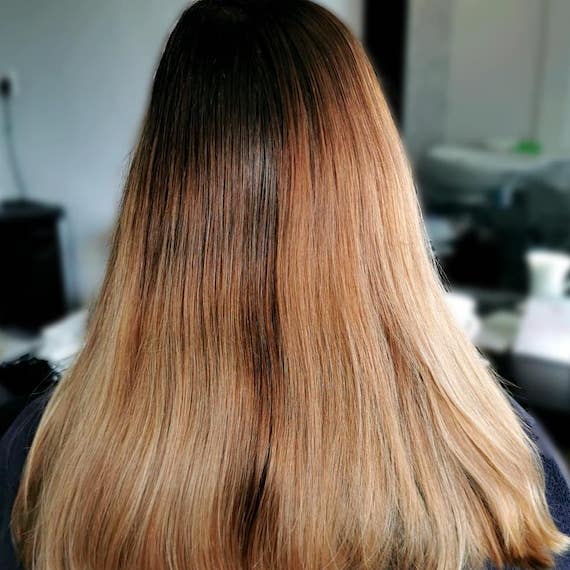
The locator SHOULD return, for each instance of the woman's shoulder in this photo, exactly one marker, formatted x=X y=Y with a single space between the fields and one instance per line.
x=556 y=476
x=557 y=482
x=15 y=442
x=14 y=447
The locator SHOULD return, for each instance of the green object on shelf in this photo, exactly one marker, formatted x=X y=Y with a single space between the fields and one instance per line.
x=528 y=146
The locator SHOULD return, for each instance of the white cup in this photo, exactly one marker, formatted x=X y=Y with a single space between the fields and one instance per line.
x=548 y=273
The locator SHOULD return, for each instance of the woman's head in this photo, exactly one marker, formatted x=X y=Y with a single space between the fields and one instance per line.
x=271 y=377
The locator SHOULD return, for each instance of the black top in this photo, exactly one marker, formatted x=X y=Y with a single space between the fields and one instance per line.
x=16 y=441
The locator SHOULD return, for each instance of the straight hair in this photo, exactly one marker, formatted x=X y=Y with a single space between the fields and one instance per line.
x=271 y=376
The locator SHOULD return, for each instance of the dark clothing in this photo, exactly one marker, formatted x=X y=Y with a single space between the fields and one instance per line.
x=14 y=447
x=16 y=441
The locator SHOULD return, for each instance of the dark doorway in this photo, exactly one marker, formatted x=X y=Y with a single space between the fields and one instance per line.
x=385 y=39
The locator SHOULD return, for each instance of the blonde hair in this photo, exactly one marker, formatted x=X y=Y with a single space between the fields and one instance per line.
x=271 y=377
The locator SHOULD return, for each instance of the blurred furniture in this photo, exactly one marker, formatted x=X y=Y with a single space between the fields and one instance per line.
x=32 y=285
x=471 y=175
x=507 y=203
x=539 y=383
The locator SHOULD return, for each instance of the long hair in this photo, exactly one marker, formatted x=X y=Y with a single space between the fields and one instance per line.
x=271 y=377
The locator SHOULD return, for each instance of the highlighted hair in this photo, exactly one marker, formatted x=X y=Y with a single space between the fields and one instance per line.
x=271 y=377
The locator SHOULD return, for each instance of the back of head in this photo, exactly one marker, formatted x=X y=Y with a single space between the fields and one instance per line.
x=271 y=377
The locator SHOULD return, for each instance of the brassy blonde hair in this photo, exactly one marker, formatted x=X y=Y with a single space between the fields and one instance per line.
x=271 y=377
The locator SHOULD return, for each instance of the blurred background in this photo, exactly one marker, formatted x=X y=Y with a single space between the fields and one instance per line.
x=480 y=90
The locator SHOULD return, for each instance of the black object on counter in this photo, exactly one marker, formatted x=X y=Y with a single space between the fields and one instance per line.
x=32 y=291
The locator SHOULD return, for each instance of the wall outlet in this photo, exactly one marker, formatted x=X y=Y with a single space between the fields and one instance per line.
x=9 y=86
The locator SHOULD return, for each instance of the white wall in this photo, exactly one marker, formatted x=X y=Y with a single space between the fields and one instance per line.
x=481 y=69
x=495 y=59
x=554 y=103
x=429 y=31
x=350 y=11
x=84 y=68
